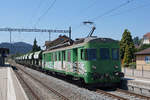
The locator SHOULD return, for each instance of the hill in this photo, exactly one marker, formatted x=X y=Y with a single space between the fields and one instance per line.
x=17 y=47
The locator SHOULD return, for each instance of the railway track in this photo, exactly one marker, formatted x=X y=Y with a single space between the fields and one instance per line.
x=62 y=97
x=120 y=94
x=110 y=95
x=34 y=95
x=134 y=94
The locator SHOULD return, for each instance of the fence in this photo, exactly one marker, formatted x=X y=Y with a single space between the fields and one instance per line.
x=142 y=71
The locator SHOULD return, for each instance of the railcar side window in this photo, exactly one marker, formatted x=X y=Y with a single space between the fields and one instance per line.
x=55 y=56
x=64 y=55
x=104 y=53
x=82 y=54
x=115 y=53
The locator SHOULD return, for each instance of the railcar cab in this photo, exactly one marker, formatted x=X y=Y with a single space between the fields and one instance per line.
x=101 y=59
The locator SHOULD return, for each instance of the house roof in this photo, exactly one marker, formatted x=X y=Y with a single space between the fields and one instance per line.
x=143 y=52
x=59 y=40
x=147 y=35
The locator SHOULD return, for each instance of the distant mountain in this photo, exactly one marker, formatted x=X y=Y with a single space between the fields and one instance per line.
x=17 y=47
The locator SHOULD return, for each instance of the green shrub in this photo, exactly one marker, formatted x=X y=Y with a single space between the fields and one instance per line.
x=132 y=65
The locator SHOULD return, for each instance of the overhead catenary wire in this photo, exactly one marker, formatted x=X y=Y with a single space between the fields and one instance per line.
x=39 y=19
x=128 y=10
x=111 y=10
x=88 y=7
x=36 y=11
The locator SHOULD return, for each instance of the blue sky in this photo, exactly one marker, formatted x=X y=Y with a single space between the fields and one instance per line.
x=25 y=13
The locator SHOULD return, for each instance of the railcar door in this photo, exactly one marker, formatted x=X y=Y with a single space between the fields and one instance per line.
x=63 y=59
x=75 y=60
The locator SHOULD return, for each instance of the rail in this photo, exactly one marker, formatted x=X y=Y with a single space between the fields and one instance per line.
x=30 y=89
x=135 y=94
x=111 y=95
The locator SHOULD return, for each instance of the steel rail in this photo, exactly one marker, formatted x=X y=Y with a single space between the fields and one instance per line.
x=135 y=94
x=51 y=89
x=31 y=90
x=111 y=95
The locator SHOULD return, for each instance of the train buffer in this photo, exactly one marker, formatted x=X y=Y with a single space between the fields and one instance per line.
x=10 y=87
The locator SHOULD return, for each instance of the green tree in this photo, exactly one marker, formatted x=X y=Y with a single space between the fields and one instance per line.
x=127 y=43
x=144 y=46
x=35 y=47
x=128 y=55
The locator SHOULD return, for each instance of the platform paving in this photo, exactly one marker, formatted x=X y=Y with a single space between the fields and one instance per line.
x=10 y=87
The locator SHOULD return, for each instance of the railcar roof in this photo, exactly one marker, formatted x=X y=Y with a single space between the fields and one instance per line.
x=81 y=42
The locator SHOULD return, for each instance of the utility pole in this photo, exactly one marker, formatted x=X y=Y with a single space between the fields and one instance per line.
x=10 y=42
x=10 y=36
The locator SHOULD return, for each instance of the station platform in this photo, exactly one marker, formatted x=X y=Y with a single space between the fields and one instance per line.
x=138 y=84
x=138 y=81
x=10 y=87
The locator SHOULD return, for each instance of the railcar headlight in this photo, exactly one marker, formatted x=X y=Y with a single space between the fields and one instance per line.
x=116 y=73
x=94 y=67
x=116 y=66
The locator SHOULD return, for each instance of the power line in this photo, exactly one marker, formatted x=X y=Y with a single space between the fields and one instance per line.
x=109 y=11
x=45 y=12
x=126 y=11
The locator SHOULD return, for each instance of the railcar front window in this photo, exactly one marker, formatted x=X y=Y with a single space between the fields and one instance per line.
x=91 y=54
x=88 y=54
x=115 y=53
x=104 y=53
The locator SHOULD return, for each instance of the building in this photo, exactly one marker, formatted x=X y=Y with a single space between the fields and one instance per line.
x=146 y=38
x=143 y=59
x=3 y=53
x=59 y=41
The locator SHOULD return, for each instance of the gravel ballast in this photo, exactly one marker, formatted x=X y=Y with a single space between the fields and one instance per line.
x=69 y=90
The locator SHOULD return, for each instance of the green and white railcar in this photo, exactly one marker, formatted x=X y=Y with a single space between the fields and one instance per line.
x=95 y=60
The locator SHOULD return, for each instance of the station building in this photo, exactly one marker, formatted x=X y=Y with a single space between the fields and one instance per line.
x=143 y=59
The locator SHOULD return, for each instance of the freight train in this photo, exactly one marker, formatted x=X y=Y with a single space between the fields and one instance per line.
x=94 y=60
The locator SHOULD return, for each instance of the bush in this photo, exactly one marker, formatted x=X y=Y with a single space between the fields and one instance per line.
x=132 y=65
